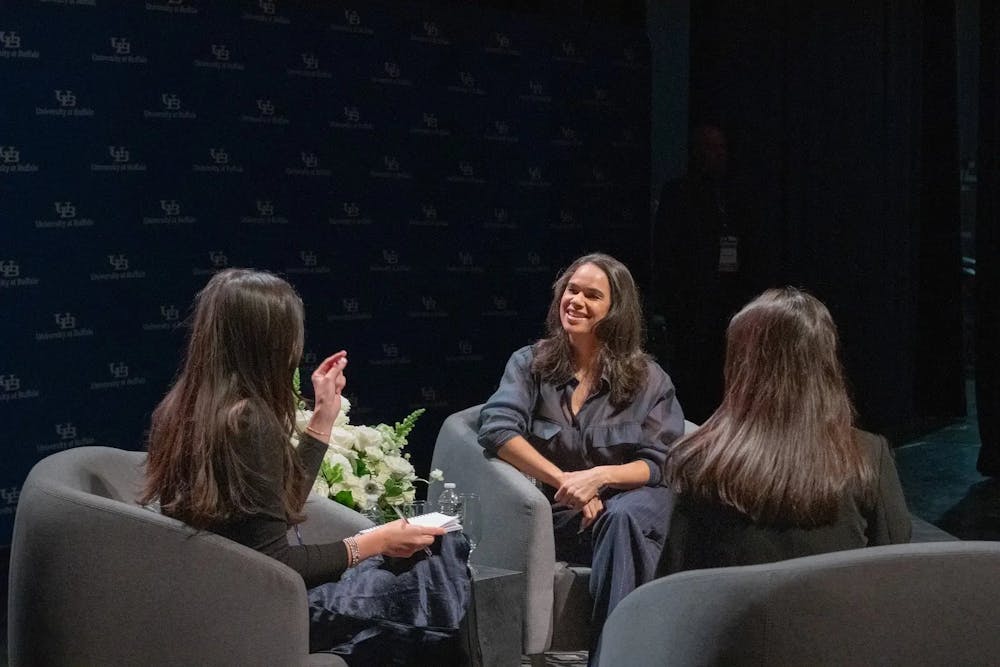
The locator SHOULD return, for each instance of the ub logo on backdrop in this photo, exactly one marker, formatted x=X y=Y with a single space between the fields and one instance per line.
x=171 y=110
x=430 y=33
x=10 y=275
x=392 y=355
x=466 y=353
x=467 y=84
x=120 y=161
x=66 y=327
x=121 y=377
x=501 y=44
x=67 y=106
x=69 y=437
x=351 y=309
x=309 y=68
x=11 y=47
x=170 y=212
x=390 y=73
x=171 y=7
x=267 y=13
x=11 y=163
x=348 y=214
x=389 y=262
x=221 y=59
x=220 y=162
x=428 y=309
x=120 y=270
x=466 y=263
x=66 y=216
x=351 y=119
x=169 y=319
x=391 y=168
x=266 y=214
x=352 y=22
x=119 y=53
x=310 y=166
x=266 y=113
x=429 y=217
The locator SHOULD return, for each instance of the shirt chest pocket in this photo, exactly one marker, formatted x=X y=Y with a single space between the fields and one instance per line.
x=543 y=431
x=616 y=442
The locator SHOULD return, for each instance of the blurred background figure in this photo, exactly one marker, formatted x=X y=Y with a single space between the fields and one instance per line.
x=701 y=272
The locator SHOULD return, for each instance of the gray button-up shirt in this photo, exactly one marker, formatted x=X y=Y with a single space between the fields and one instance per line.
x=599 y=434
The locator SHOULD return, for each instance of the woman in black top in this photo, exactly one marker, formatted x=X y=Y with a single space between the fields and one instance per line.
x=220 y=452
x=778 y=471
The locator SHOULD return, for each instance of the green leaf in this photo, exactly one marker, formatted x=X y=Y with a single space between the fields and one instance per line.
x=345 y=498
x=331 y=473
x=393 y=487
x=300 y=401
x=360 y=468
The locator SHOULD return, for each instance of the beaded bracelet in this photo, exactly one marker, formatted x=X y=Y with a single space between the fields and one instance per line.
x=353 y=551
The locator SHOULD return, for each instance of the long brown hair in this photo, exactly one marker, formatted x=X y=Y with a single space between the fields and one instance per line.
x=620 y=333
x=781 y=448
x=235 y=385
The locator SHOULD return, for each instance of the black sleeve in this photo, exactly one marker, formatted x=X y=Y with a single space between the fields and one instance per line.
x=265 y=529
x=889 y=521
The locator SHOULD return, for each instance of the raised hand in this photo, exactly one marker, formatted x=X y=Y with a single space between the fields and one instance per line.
x=328 y=383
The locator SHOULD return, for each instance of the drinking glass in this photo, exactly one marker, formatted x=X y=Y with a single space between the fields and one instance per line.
x=416 y=508
x=471 y=517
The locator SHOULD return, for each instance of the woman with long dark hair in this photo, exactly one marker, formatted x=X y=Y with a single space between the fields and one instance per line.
x=779 y=471
x=220 y=451
x=586 y=412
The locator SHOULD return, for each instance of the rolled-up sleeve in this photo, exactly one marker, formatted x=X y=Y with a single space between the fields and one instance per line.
x=507 y=413
x=663 y=424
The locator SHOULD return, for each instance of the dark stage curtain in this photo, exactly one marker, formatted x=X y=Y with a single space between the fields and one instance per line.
x=988 y=243
x=843 y=133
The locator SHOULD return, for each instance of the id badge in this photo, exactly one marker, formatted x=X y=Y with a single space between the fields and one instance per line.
x=729 y=256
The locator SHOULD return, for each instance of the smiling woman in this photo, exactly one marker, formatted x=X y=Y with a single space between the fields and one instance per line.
x=588 y=413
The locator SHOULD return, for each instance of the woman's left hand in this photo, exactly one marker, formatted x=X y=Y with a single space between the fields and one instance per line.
x=580 y=486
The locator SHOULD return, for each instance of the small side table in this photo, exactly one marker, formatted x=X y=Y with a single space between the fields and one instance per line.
x=494 y=619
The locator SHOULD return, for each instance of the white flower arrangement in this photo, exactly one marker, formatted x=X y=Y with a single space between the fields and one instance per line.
x=365 y=467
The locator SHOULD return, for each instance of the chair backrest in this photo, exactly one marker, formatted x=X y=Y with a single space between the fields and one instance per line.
x=97 y=579
x=908 y=604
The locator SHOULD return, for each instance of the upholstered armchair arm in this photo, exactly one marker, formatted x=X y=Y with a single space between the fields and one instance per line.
x=517 y=522
x=328 y=521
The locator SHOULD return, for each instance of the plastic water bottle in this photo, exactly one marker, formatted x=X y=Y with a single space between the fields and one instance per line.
x=448 y=500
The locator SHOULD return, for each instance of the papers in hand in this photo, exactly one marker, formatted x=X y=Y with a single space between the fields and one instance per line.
x=436 y=519
x=433 y=519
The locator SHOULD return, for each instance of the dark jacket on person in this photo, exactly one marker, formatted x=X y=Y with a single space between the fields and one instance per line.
x=705 y=534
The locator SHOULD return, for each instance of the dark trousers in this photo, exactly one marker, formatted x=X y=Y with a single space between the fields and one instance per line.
x=622 y=547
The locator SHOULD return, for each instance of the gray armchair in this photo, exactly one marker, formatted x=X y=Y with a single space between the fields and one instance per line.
x=518 y=536
x=97 y=579
x=906 y=604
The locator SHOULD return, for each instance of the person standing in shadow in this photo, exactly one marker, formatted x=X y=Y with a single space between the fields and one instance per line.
x=701 y=272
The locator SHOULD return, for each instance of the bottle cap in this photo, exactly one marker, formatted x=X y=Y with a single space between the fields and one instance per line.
x=449 y=485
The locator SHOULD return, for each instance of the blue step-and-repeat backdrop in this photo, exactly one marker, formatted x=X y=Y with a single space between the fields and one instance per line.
x=420 y=172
